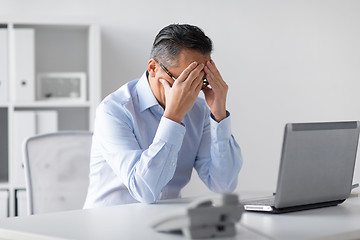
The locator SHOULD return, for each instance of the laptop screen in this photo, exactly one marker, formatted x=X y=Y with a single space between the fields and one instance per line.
x=317 y=162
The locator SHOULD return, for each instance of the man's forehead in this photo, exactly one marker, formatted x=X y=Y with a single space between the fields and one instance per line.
x=187 y=56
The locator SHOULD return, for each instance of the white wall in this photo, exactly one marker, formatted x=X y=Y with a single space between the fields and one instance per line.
x=285 y=61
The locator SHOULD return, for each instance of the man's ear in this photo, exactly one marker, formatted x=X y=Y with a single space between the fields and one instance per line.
x=152 y=67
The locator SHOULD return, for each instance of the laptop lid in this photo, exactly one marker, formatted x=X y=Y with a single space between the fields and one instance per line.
x=317 y=163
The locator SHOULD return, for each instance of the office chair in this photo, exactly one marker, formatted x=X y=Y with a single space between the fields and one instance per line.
x=56 y=171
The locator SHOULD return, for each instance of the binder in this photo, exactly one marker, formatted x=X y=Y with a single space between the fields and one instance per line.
x=46 y=121
x=3 y=65
x=28 y=124
x=24 y=64
x=4 y=203
x=21 y=203
x=4 y=150
x=24 y=127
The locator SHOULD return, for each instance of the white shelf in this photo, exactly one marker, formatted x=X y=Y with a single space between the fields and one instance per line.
x=4 y=104
x=4 y=185
x=49 y=20
x=54 y=104
x=61 y=45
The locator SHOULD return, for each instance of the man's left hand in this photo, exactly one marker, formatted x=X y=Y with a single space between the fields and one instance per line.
x=216 y=95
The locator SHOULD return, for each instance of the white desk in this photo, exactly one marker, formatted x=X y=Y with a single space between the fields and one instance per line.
x=120 y=222
x=311 y=224
x=132 y=222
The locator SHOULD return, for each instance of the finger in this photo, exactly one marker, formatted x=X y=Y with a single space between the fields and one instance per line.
x=210 y=77
x=165 y=84
x=199 y=85
x=214 y=73
x=197 y=80
x=196 y=75
x=184 y=75
x=217 y=73
x=212 y=67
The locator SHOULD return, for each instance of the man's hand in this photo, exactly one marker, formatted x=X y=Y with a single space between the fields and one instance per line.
x=216 y=95
x=181 y=97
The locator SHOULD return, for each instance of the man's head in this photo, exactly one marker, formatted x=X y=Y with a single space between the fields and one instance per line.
x=176 y=47
x=172 y=39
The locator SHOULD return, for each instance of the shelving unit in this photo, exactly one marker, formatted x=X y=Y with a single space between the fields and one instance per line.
x=60 y=46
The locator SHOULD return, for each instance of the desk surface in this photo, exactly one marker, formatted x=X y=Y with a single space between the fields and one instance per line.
x=132 y=222
x=319 y=223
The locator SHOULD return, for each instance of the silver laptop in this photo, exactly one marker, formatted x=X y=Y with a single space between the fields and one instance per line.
x=316 y=168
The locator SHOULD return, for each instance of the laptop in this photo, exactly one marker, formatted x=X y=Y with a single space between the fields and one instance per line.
x=316 y=167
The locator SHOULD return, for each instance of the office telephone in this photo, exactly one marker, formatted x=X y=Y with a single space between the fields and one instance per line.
x=208 y=217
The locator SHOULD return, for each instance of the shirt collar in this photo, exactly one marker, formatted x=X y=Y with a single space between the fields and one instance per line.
x=145 y=94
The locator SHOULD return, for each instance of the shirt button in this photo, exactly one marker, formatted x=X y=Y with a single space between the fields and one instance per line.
x=173 y=164
x=220 y=129
x=222 y=155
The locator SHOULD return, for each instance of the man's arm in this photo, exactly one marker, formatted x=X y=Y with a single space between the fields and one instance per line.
x=216 y=95
x=219 y=157
x=143 y=171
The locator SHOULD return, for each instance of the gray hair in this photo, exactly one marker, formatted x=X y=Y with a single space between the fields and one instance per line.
x=175 y=37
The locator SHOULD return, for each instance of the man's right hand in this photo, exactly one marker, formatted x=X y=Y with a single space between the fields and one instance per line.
x=181 y=96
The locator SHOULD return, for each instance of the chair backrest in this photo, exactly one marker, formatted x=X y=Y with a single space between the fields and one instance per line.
x=56 y=171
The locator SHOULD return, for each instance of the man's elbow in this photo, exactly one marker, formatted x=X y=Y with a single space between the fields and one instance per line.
x=147 y=199
x=143 y=194
x=224 y=187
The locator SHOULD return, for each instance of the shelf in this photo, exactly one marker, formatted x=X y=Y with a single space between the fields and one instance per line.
x=4 y=104
x=4 y=185
x=48 y=20
x=47 y=104
x=38 y=46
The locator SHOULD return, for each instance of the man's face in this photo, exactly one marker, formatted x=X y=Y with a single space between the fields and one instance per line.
x=185 y=58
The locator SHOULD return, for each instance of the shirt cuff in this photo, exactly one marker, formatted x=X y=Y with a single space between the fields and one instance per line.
x=170 y=131
x=221 y=130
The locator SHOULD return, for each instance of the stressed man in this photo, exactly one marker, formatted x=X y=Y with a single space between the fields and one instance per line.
x=150 y=133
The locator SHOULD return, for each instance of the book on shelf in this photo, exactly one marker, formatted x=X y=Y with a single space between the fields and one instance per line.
x=21 y=202
x=24 y=64
x=4 y=202
x=28 y=124
x=4 y=65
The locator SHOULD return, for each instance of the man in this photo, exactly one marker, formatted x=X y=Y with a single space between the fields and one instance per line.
x=151 y=132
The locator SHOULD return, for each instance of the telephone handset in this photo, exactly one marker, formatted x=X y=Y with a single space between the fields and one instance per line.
x=207 y=217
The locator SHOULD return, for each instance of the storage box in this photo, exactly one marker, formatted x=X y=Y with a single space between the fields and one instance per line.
x=61 y=86
x=4 y=203
x=21 y=203
x=4 y=65
x=24 y=64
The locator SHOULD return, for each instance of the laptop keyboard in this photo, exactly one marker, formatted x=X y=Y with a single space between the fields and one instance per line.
x=269 y=201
